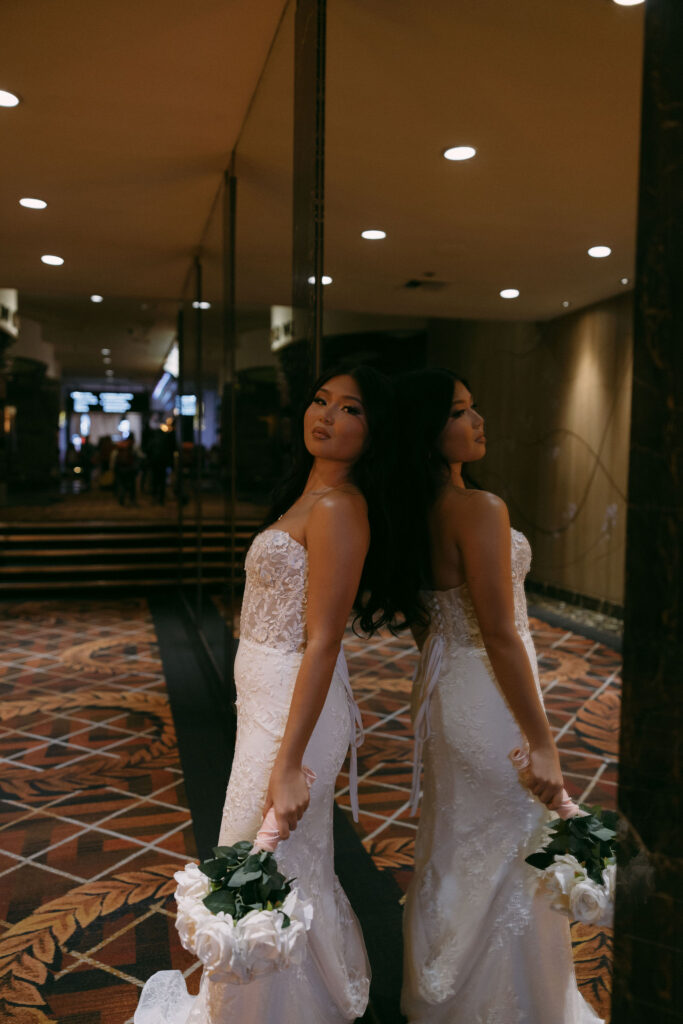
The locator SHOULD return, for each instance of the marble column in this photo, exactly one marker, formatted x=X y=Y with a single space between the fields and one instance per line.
x=648 y=942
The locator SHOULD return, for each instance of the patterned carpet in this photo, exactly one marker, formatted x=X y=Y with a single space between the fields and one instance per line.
x=94 y=818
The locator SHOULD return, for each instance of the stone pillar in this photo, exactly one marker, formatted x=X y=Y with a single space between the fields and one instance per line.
x=648 y=941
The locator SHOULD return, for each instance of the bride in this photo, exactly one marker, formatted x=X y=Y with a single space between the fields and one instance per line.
x=480 y=947
x=326 y=541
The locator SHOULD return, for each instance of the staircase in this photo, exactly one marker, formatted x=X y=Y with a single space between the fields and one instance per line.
x=49 y=558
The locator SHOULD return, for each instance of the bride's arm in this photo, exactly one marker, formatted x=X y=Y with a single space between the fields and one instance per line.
x=483 y=537
x=337 y=539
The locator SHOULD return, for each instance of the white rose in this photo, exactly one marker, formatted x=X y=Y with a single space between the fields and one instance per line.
x=214 y=941
x=588 y=902
x=191 y=914
x=560 y=878
x=192 y=883
x=259 y=939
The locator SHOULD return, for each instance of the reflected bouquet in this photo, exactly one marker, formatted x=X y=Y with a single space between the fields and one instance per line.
x=238 y=914
x=578 y=860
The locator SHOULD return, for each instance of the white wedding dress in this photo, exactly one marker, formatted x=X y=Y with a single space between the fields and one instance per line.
x=480 y=946
x=332 y=984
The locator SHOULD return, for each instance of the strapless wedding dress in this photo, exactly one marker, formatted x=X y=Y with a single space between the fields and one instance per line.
x=481 y=947
x=332 y=984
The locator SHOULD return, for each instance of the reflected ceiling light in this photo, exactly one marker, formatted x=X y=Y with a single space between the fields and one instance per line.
x=33 y=204
x=96 y=298
x=106 y=351
x=599 y=252
x=566 y=303
x=629 y=3
x=109 y=373
x=8 y=99
x=52 y=261
x=373 y=233
x=459 y=153
x=107 y=359
x=509 y=293
x=624 y=280
x=201 y=305
x=326 y=279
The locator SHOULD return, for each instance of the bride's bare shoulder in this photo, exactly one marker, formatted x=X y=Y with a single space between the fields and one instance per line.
x=473 y=511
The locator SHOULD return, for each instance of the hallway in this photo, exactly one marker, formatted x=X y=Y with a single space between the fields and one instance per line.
x=94 y=818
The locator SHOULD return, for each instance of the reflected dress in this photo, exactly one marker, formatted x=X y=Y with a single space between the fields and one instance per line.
x=481 y=945
x=331 y=986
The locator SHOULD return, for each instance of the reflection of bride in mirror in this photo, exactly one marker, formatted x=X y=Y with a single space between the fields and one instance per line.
x=325 y=543
x=481 y=947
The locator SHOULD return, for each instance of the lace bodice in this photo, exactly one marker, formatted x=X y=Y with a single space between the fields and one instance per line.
x=452 y=612
x=274 y=603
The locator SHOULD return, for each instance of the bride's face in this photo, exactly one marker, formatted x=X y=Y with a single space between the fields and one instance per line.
x=335 y=424
x=462 y=439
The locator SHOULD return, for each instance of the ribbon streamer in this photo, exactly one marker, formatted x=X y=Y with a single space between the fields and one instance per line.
x=425 y=679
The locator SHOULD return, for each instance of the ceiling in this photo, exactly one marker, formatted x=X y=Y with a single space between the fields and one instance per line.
x=127 y=123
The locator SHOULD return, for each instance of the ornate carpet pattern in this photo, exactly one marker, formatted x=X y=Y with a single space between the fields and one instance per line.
x=93 y=815
x=94 y=818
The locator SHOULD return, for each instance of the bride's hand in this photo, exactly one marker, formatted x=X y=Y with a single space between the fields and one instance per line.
x=289 y=796
x=545 y=774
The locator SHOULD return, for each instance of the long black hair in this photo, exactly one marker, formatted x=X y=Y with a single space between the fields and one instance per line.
x=374 y=473
x=424 y=402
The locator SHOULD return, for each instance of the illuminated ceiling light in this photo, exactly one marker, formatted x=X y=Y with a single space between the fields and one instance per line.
x=509 y=293
x=326 y=279
x=599 y=252
x=33 y=204
x=201 y=305
x=566 y=304
x=629 y=3
x=52 y=261
x=96 y=298
x=459 y=153
x=8 y=99
x=372 y=234
x=624 y=280
x=106 y=351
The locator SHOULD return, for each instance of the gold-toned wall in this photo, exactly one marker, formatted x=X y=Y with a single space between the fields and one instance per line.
x=557 y=400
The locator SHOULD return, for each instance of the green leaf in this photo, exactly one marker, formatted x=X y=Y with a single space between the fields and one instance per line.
x=228 y=853
x=540 y=860
x=221 y=899
x=286 y=921
x=243 y=847
x=214 y=869
x=244 y=874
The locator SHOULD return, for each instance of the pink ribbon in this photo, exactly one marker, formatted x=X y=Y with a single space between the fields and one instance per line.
x=268 y=836
x=566 y=808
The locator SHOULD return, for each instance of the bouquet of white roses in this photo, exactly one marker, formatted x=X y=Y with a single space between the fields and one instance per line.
x=238 y=914
x=578 y=861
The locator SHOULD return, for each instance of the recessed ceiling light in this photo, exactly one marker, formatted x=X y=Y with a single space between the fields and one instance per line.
x=599 y=251
x=373 y=233
x=459 y=153
x=107 y=359
x=96 y=298
x=201 y=305
x=326 y=279
x=566 y=303
x=624 y=280
x=52 y=261
x=509 y=293
x=106 y=351
x=629 y=3
x=33 y=204
x=8 y=99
